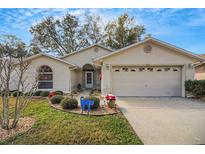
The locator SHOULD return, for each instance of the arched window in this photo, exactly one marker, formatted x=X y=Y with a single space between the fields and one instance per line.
x=45 y=79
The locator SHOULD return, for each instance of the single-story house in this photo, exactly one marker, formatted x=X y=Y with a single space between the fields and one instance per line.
x=200 y=69
x=147 y=68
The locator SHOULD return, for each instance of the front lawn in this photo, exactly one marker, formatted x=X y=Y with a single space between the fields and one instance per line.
x=57 y=127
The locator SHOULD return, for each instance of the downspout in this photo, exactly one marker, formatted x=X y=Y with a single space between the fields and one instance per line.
x=69 y=80
x=73 y=68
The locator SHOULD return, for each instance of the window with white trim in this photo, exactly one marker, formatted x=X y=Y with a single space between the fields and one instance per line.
x=159 y=69
x=150 y=69
x=125 y=69
x=45 y=77
x=117 y=70
x=132 y=70
x=167 y=69
x=141 y=69
x=175 y=70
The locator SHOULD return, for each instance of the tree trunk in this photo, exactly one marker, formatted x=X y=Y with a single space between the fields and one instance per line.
x=5 y=114
x=15 y=121
x=16 y=117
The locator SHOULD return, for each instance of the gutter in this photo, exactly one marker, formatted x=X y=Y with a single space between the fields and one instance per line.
x=74 y=68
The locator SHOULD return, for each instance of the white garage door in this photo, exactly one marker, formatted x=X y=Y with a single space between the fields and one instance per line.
x=146 y=81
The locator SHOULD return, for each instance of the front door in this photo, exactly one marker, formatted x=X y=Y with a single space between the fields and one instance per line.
x=88 y=79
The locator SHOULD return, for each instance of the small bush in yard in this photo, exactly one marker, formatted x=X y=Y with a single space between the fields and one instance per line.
x=15 y=93
x=56 y=99
x=69 y=103
x=58 y=92
x=29 y=94
x=196 y=87
x=96 y=102
x=44 y=93
x=2 y=93
x=37 y=93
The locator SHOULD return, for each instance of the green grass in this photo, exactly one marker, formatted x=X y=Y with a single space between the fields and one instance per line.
x=57 y=127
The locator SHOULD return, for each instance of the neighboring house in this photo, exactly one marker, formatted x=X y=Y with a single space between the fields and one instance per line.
x=147 y=68
x=200 y=70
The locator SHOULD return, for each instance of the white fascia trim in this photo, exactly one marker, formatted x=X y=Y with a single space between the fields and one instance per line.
x=42 y=54
x=75 y=52
x=183 y=51
x=198 y=64
x=118 y=51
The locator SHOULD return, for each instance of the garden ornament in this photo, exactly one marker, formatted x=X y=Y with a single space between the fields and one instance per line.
x=85 y=102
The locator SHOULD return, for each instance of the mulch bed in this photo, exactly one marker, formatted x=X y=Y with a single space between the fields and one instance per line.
x=102 y=110
x=23 y=126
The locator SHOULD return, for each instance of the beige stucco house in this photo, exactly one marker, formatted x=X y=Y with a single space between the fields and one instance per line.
x=200 y=69
x=147 y=68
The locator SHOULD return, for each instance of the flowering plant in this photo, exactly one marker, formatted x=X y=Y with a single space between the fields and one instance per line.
x=51 y=94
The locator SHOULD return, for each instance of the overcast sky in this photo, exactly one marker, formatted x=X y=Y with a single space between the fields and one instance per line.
x=184 y=28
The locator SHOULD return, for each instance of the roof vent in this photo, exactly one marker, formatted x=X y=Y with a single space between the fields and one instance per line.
x=96 y=49
x=147 y=48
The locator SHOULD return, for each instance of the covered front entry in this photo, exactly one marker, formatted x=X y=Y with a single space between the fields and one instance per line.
x=146 y=81
x=90 y=76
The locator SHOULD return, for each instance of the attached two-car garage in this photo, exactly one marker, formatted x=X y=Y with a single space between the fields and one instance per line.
x=147 y=68
x=146 y=81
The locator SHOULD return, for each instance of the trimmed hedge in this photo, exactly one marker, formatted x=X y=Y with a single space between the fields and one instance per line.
x=15 y=93
x=58 y=92
x=28 y=94
x=69 y=103
x=44 y=93
x=2 y=93
x=56 y=99
x=37 y=93
x=96 y=102
x=195 y=87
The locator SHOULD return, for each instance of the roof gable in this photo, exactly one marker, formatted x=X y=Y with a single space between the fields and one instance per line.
x=156 y=41
x=79 y=51
x=51 y=57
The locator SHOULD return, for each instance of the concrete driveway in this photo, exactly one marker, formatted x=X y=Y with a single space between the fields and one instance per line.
x=165 y=120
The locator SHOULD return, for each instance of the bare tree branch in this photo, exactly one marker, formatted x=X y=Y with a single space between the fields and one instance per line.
x=12 y=63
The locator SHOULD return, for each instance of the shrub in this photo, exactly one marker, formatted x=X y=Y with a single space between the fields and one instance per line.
x=189 y=85
x=196 y=87
x=44 y=93
x=29 y=94
x=15 y=93
x=2 y=93
x=96 y=102
x=69 y=103
x=56 y=99
x=58 y=92
x=37 y=93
